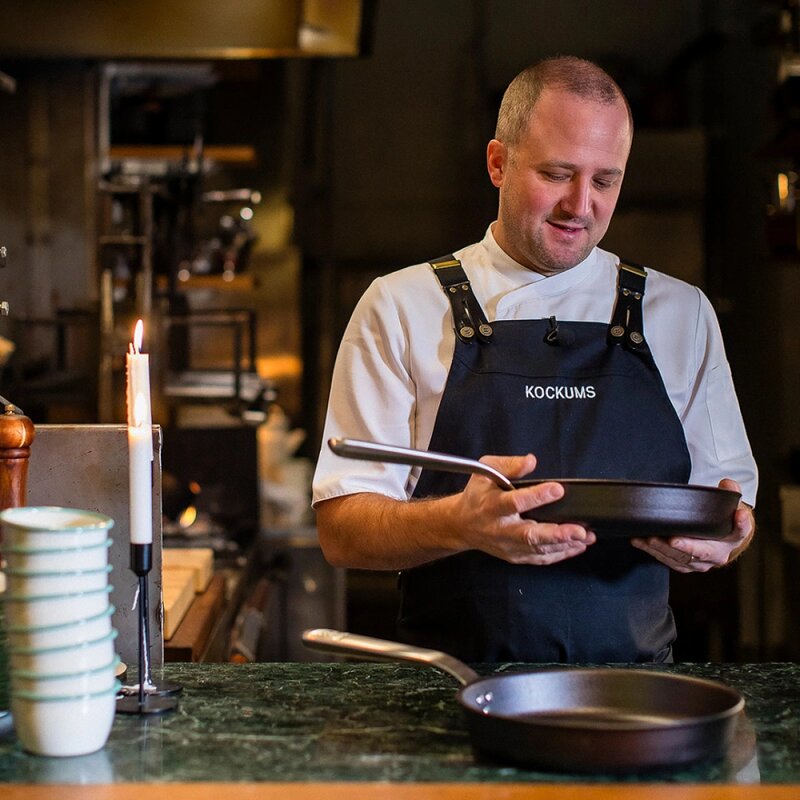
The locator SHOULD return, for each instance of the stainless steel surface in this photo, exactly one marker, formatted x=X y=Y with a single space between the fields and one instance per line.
x=86 y=466
x=370 y=451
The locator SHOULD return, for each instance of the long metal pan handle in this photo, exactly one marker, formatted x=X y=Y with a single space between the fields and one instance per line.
x=370 y=451
x=353 y=644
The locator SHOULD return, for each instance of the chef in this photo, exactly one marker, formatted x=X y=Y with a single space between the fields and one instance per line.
x=538 y=352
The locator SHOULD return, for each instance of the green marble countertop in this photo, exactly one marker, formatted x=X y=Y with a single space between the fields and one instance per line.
x=332 y=722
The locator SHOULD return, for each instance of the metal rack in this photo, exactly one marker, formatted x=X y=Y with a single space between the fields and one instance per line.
x=238 y=385
x=137 y=291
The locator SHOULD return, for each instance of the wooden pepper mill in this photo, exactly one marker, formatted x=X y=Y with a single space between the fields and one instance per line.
x=16 y=435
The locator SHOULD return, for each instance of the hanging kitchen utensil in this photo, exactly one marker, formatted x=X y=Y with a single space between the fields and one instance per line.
x=576 y=719
x=611 y=508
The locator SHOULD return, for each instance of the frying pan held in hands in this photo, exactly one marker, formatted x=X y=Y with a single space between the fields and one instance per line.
x=574 y=720
x=610 y=508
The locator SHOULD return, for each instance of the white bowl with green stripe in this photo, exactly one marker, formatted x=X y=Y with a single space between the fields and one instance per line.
x=32 y=559
x=54 y=609
x=71 y=725
x=64 y=659
x=64 y=633
x=53 y=527
x=29 y=583
x=87 y=681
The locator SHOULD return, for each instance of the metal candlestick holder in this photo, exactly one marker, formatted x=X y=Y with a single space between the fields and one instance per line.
x=145 y=697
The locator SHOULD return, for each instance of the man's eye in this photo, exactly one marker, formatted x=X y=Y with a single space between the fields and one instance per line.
x=605 y=183
x=556 y=176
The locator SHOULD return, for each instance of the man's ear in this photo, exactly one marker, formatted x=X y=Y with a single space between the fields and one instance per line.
x=496 y=160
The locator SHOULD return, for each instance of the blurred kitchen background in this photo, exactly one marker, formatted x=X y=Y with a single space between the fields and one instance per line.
x=235 y=175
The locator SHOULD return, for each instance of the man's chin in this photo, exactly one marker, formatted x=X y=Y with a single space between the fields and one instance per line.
x=560 y=261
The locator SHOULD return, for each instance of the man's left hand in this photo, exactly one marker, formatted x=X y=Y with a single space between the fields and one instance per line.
x=687 y=554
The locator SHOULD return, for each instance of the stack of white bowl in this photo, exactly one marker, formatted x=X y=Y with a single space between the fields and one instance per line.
x=61 y=657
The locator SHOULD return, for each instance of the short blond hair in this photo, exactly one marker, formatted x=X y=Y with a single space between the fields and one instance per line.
x=565 y=73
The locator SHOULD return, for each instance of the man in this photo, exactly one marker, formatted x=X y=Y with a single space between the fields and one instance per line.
x=545 y=345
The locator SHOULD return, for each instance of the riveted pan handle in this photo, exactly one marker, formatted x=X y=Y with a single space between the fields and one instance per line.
x=353 y=644
x=388 y=453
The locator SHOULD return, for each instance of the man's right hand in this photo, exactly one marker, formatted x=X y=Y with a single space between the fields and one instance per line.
x=371 y=531
x=492 y=522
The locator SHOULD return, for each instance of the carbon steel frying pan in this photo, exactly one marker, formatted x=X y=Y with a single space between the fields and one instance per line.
x=574 y=720
x=608 y=507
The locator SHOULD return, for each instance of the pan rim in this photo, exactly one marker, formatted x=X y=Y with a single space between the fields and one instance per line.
x=622 y=483
x=629 y=509
x=585 y=724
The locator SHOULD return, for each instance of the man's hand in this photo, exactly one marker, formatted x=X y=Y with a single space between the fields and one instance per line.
x=492 y=522
x=370 y=531
x=687 y=554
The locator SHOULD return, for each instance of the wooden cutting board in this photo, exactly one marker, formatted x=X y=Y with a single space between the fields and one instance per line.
x=198 y=559
x=177 y=590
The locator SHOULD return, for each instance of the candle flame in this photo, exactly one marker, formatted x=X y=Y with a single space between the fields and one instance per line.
x=139 y=410
x=138 y=336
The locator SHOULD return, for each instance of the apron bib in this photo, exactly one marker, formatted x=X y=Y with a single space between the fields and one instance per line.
x=587 y=408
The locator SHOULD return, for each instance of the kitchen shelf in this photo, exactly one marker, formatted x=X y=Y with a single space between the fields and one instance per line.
x=243 y=282
x=241 y=154
x=138 y=197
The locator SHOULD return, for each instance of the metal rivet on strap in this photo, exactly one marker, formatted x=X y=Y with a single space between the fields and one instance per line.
x=637 y=337
x=452 y=290
x=467 y=332
x=617 y=331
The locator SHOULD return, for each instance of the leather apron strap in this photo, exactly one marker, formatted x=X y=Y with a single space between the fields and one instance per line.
x=468 y=317
x=627 y=323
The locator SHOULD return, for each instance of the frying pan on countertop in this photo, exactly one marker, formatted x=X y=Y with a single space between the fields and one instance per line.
x=576 y=719
x=611 y=508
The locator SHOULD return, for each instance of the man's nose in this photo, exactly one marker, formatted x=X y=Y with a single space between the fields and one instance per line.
x=577 y=201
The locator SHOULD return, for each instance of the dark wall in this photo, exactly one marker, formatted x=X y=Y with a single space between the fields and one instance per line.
x=391 y=161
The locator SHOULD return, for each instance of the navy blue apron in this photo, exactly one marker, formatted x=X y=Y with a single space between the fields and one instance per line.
x=587 y=399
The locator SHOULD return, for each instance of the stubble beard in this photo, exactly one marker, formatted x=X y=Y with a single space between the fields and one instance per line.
x=546 y=260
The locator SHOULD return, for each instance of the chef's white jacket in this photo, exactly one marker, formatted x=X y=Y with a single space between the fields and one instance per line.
x=395 y=355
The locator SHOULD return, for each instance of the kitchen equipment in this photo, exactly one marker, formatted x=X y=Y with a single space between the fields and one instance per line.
x=61 y=559
x=52 y=527
x=70 y=725
x=16 y=435
x=36 y=612
x=611 y=508
x=61 y=656
x=71 y=658
x=90 y=681
x=30 y=583
x=575 y=719
x=65 y=633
